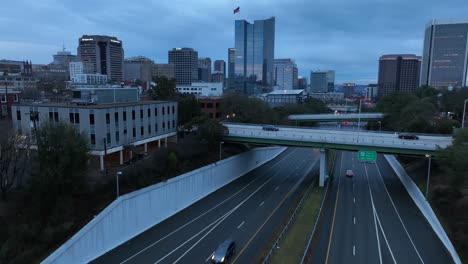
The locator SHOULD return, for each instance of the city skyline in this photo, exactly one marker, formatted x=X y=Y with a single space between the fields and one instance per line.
x=346 y=37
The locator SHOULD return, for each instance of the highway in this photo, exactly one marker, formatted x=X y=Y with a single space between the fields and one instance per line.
x=370 y=218
x=247 y=210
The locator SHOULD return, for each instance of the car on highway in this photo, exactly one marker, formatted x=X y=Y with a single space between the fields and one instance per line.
x=224 y=251
x=270 y=128
x=349 y=173
x=407 y=136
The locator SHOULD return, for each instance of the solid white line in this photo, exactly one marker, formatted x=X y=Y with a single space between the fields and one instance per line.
x=375 y=221
x=261 y=203
x=209 y=257
x=385 y=236
x=354 y=250
x=277 y=188
x=354 y=220
x=239 y=226
x=354 y=199
x=211 y=209
x=399 y=217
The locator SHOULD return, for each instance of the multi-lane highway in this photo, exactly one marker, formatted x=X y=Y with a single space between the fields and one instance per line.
x=248 y=210
x=370 y=218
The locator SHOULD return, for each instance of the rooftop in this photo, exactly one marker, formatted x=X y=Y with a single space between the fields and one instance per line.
x=288 y=92
x=93 y=106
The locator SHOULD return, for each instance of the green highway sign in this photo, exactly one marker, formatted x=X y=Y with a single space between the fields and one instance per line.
x=365 y=155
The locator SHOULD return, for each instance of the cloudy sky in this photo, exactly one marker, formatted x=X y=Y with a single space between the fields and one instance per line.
x=345 y=35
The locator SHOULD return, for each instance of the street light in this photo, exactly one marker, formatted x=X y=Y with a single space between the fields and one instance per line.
x=119 y=173
x=220 y=144
x=464 y=109
x=428 y=175
x=380 y=126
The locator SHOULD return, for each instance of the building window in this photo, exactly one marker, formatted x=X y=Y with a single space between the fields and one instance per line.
x=209 y=105
x=155 y=111
x=124 y=115
x=16 y=98
x=117 y=136
x=141 y=113
x=116 y=117
x=133 y=114
x=91 y=119
x=18 y=115
x=142 y=130
x=149 y=112
x=107 y=118
x=3 y=98
x=125 y=131
x=149 y=129
x=53 y=116
x=93 y=139
x=168 y=110
x=108 y=135
x=134 y=132
x=74 y=118
x=163 y=110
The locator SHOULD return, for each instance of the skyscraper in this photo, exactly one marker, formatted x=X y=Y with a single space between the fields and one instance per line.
x=138 y=68
x=105 y=53
x=398 y=72
x=301 y=83
x=220 y=66
x=254 y=55
x=285 y=74
x=348 y=89
x=322 y=81
x=204 y=69
x=163 y=69
x=445 y=53
x=331 y=81
x=231 y=67
x=185 y=61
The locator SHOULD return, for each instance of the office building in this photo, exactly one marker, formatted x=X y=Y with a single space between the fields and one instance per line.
x=302 y=83
x=218 y=77
x=204 y=69
x=138 y=68
x=163 y=69
x=185 y=61
x=328 y=97
x=254 y=55
x=285 y=97
x=220 y=66
x=231 y=67
x=63 y=58
x=322 y=81
x=18 y=82
x=348 y=89
x=8 y=98
x=104 y=53
x=202 y=89
x=399 y=72
x=331 y=81
x=371 y=91
x=16 y=67
x=285 y=74
x=79 y=67
x=211 y=106
x=444 y=61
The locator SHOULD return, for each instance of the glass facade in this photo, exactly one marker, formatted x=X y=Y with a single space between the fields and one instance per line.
x=254 y=55
x=445 y=54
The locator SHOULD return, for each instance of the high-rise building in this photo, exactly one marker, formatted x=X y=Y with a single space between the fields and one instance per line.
x=163 y=69
x=138 y=68
x=285 y=74
x=231 y=67
x=63 y=58
x=254 y=55
x=348 y=89
x=398 y=72
x=322 y=81
x=371 y=91
x=445 y=53
x=204 y=69
x=105 y=53
x=220 y=66
x=185 y=61
x=302 y=83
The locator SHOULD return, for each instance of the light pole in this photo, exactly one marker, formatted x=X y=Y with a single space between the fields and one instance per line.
x=428 y=175
x=359 y=119
x=464 y=109
x=380 y=126
x=119 y=173
x=220 y=144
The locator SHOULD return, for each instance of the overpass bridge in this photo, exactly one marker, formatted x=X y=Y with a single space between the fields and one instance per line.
x=334 y=117
x=334 y=139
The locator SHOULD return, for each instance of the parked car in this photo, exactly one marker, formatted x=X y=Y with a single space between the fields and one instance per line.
x=224 y=251
x=270 y=128
x=407 y=136
x=349 y=173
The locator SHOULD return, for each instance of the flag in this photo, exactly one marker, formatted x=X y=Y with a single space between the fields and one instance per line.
x=236 y=10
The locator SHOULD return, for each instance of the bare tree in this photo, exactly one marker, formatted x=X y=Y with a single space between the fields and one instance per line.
x=14 y=156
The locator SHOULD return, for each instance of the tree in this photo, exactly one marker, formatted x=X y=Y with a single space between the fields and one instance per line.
x=189 y=108
x=454 y=161
x=14 y=158
x=165 y=89
x=62 y=158
x=248 y=110
x=210 y=132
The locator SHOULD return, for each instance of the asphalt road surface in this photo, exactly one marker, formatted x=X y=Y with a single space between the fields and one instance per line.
x=370 y=218
x=248 y=210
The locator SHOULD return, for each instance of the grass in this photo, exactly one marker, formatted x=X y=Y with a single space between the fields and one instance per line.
x=291 y=247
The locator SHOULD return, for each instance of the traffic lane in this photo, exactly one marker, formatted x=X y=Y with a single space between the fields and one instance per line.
x=174 y=247
x=243 y=223
x=425 y=239
x=396 y=238
x=320 y=243
x=240 y=187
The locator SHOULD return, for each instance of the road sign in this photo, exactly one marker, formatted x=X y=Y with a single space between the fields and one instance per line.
x=365 y=155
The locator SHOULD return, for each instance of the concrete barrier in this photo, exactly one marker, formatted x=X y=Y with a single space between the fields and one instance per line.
x=423 y=206
x=138 y=211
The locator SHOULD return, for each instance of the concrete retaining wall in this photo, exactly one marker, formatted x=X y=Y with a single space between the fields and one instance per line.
x=136 y=212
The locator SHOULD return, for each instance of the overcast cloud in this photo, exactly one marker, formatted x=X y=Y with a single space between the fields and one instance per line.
x=345 y=35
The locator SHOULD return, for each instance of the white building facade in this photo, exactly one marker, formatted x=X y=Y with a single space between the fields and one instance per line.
x=203 y=89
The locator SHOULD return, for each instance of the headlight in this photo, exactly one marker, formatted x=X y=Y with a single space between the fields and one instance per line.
x=212 y=257
x=222 y=260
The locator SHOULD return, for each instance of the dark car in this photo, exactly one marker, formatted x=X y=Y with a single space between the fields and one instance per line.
x=407 y=136
x=270 y=128
x=224 y=251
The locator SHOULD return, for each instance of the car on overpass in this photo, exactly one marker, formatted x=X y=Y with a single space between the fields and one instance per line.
x=224 y=251
x=270 y=128
x=407 y=136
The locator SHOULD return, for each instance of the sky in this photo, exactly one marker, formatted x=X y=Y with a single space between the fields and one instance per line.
x=347 y=36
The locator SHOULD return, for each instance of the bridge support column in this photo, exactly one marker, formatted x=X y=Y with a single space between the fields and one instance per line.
x=323 y=167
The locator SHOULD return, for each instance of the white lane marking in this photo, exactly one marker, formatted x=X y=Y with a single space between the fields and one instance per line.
x=354 y=199
x=276 y=188
x=399 y=217
x=374 y=216
x=377 y=220
x=354 y=220
x=198 y=217
x=209 y=257
x=241 y=224
x=354 y=250
x=261 y=203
